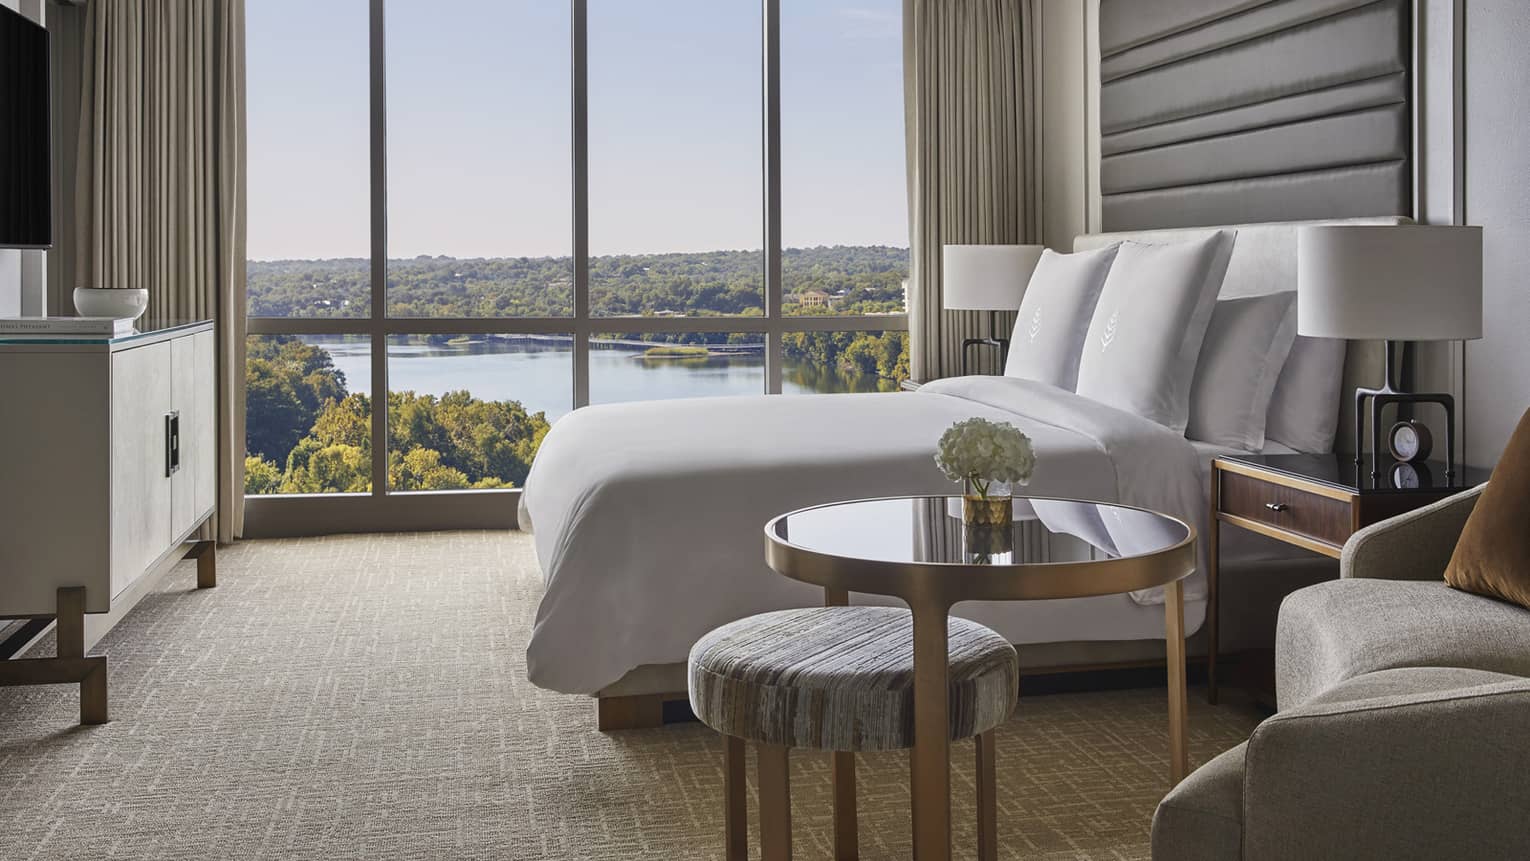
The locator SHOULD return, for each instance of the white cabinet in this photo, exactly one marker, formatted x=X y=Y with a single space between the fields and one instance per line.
x=108 y=462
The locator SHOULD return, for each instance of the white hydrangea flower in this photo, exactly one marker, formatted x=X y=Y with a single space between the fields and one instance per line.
x=983 y=451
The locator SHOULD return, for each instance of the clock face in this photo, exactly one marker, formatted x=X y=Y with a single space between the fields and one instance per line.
x=1404 y=476
x=1409 y=441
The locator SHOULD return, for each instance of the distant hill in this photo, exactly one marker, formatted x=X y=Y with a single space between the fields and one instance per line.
x=858 y=280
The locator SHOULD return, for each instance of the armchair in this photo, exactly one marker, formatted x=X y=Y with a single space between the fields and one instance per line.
x=1403 y=706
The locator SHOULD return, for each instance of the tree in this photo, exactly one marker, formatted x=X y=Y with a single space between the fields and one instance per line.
x=287 y=384
x=261 y=476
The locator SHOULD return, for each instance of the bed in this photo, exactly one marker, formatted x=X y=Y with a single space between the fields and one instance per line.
x=647 y=516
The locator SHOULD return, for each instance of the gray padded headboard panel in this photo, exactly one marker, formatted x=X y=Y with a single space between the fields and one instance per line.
x=1238 y=111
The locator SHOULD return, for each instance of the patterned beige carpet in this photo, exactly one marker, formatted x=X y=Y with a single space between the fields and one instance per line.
x=365 y=697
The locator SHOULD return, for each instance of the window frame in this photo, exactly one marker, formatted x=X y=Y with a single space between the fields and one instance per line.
x=382 y=510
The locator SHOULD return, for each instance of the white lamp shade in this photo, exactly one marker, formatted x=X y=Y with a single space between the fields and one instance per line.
x=987 y=277
x=1397 y=283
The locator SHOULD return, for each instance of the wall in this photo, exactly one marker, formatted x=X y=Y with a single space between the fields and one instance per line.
x=1497 y=196
x=1064 y=122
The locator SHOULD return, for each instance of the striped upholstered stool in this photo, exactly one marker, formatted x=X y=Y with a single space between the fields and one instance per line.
x=838 y=679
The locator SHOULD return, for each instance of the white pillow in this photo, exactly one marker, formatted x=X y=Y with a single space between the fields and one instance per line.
x=1054 y=316
x=1140 y=353
x=1304 y=410
x=1245 y=349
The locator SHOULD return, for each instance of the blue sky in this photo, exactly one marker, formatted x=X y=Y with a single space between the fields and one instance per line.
x=478 y=126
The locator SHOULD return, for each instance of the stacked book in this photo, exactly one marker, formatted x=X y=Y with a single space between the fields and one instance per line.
x=53 y=327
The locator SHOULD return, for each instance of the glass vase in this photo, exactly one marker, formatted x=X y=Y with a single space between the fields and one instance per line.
x=994 y=508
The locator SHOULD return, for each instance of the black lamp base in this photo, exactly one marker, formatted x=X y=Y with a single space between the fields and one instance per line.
x=1387 y=395
x=993 y=340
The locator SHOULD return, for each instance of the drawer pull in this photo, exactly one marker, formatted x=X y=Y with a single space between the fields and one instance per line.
x=1276 y=506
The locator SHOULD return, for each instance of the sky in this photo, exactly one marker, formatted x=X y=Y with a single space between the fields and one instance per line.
x=478 y=126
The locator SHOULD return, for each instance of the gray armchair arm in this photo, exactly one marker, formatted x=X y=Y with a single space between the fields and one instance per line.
x=1412 y=546
x=1432 y=774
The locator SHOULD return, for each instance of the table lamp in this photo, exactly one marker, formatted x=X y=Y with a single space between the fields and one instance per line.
x=988 y=278
x=1390 y=283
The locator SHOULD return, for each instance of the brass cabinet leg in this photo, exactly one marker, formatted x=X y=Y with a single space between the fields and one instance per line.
x=206 y=554
x=735 y=801
x=987 y=798
x=846 y=840
x=930 y=766
x=775 y=802
x=70 y=630
x=69 y=666
x=1179 y=704
x=93 y=708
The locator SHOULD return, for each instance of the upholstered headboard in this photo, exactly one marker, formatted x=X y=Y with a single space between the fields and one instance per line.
x=1264 y=261
x=1237 y=111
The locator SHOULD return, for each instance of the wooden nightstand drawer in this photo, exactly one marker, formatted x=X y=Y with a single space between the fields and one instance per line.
x=1286 y=508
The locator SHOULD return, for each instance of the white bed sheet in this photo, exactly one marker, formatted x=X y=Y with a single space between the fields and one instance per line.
x=648 y=517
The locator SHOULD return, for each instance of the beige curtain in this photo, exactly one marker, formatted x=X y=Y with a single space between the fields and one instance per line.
x=971 y=107
x=159 y=181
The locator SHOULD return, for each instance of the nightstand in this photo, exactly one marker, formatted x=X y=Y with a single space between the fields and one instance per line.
x=1314 y=502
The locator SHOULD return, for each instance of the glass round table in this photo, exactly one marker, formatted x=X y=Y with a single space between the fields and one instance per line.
x=919 y=550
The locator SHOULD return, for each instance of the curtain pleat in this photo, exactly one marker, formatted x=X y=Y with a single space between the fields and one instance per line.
x=159 y=194
x=970 y=112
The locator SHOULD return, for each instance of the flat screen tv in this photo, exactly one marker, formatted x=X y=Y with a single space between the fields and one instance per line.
x=26 y=205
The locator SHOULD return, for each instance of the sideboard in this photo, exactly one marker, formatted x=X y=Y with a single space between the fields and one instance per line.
x=108 y=467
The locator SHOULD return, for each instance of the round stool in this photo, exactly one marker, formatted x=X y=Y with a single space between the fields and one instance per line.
x=838 y=679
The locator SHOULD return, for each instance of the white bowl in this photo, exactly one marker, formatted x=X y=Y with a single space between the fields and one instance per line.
x=107 y=302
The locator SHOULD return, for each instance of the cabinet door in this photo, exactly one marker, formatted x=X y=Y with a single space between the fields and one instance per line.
x=195 y=482
x=141 y=397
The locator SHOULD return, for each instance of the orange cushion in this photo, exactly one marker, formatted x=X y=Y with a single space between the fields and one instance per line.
x=1492 y=557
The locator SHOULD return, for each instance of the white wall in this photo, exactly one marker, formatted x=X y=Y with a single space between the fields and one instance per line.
x=1497 y=196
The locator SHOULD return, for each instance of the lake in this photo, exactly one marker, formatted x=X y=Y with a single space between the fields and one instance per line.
x=540 y=374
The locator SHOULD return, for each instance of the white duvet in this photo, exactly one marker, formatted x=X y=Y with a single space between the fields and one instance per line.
x=648 y=517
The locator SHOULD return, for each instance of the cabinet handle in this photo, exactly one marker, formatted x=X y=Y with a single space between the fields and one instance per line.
x=1276 y=506
x=172 y=443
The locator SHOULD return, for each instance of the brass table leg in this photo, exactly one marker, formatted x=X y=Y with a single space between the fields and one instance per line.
x=775 y=802
x=735 y=801
x=1179 y=704
x=987 y=798
x=930 y=766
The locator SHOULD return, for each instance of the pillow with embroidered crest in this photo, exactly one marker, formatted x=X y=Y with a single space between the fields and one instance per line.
x=1054 y=316
x=1143 y=342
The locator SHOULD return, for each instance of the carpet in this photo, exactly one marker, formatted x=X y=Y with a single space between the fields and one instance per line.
x=365 y=696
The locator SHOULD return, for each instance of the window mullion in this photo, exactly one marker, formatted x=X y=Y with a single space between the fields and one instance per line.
x=771 y=108
x=378 y=146
x=579 y=137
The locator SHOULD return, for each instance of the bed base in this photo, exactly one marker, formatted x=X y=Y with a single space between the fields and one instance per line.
x=640 y=711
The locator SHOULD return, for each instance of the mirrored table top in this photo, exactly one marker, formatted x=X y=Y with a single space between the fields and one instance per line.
x=930 y=531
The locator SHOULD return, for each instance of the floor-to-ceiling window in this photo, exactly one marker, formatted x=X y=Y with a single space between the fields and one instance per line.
x=468 y=219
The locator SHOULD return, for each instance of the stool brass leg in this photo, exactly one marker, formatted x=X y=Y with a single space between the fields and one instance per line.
x=845 y=838
x=775 y=803
x=987 y=798
x=735 y=801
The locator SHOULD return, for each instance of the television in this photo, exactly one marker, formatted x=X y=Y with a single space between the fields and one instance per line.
x=26 y=203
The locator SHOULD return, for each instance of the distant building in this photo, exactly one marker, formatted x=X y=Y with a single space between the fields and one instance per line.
x=813 y=299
